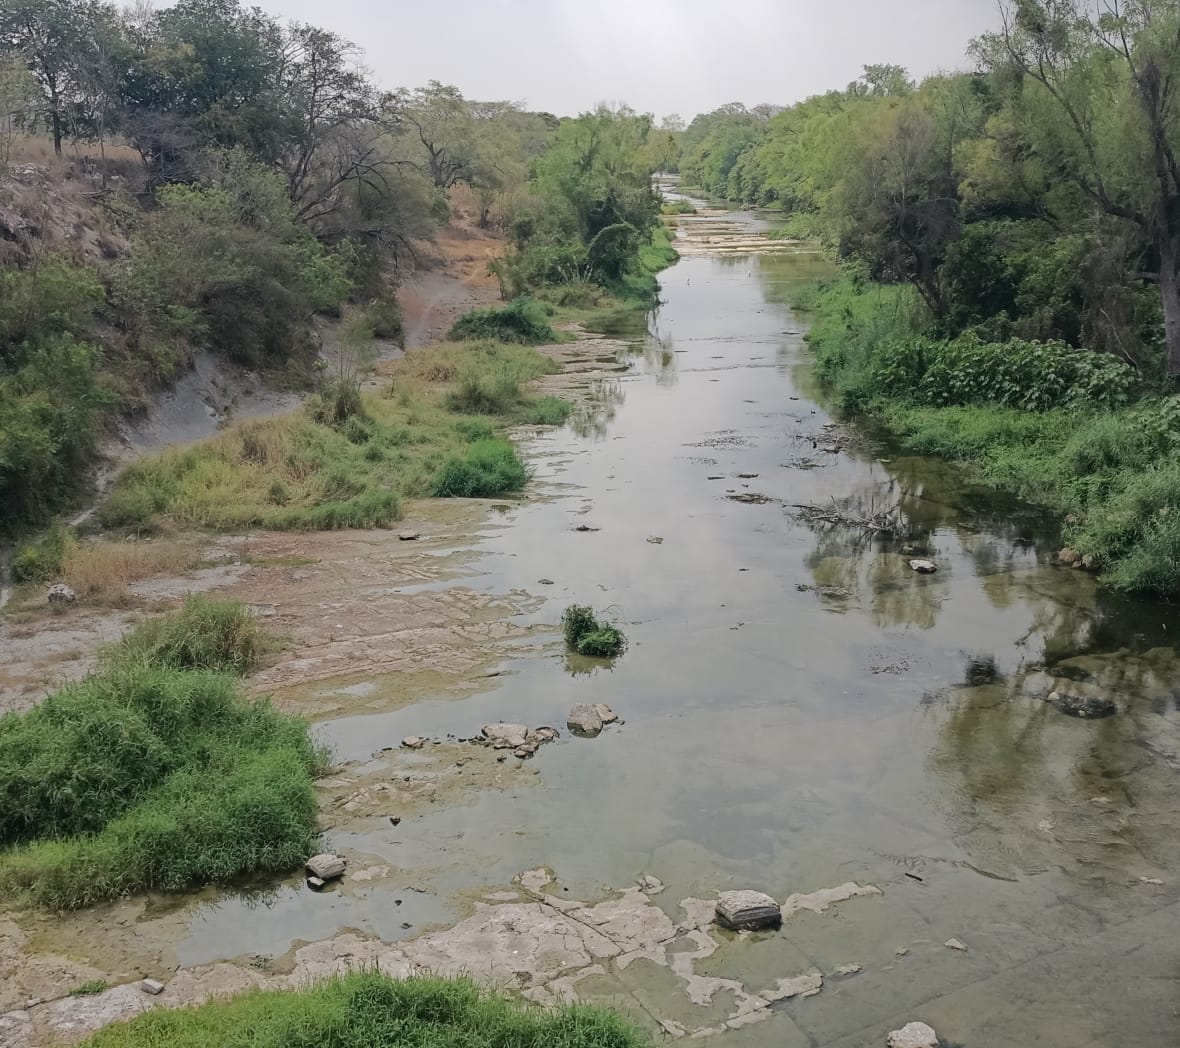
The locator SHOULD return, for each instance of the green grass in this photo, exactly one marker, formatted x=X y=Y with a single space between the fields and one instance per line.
x=149 y=775
x=486 y=469
x=371 y=1010
x=89 y=988
x=303 y=472
x=1110 y=469
x=587 y=635
x=204 y=635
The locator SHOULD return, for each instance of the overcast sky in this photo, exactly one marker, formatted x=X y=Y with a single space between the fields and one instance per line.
x=660 y=56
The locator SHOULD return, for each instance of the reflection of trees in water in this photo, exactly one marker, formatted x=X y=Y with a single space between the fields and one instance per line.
x=591 y=418
x=1025 y=788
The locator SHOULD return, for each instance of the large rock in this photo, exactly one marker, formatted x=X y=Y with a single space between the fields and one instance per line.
x=748 y=911
x=326 y=866
x=924 y=567
x=913 y=1035
x=61 y=594
x=506 y=736
x=584 y=720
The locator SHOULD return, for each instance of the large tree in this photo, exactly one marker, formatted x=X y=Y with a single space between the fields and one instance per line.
x=1096 y=98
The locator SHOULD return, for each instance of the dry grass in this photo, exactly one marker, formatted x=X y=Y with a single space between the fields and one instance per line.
x=102 y=572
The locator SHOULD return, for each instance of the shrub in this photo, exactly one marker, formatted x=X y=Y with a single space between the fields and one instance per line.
x=522 y=320
x=489 y=468
x=384 y=317
x=204 y=635
x=372 y=1010
x=586 y=635
x=42 y=560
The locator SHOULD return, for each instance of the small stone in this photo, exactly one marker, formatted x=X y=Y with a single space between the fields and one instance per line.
x=650 y=885
x=408 y=536
x=545 y=734
x=152 y=986
x=1150 y=880
x=924 y=567
x=525 y=751
x=913 y=1035
x=61 y=594
x=546 y=582
x=747 y=476
x=584 y=721
x=748 y=911
x=413 y=742
x=901 y=951
x=326 y=866
x=605 y=713
x=849 y=969
x=956 y=944
x=1069 y=557
x=655 y=540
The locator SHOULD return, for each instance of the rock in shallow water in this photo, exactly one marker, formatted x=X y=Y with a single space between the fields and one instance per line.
x=924 y=567
x=913 y=1035
x=506 y=736
x=748 y=911
x=326 y=866
x=584 y=720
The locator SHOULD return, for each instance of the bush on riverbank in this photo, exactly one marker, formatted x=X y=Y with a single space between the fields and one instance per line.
x=148 y=776
x=1064 y=428
x=372 y=1010
x=300 y=472
x=522 y=320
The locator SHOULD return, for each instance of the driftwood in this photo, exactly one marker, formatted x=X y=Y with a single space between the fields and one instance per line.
x=883 y=522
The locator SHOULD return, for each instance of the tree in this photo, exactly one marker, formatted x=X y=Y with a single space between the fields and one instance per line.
x=1096 y=96
x=440 y=129
x=47 y=35
x=19 y=96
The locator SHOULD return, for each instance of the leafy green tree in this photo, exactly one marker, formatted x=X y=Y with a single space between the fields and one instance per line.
x=1094 y=96
x=437 y=126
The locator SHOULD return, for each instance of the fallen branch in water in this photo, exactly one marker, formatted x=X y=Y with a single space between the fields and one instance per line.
x=883 y=522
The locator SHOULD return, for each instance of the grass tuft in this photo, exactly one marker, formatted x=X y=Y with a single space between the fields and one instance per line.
x=523 y=320
x=372 y=1010
x=488 y=468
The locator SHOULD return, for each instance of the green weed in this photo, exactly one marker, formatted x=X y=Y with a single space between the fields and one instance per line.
x=372 y=1010
x=488 y=468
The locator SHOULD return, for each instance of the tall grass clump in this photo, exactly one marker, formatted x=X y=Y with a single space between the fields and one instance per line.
x=147 y=775
x=523 y=320
x=372 y=1010
x=587 y=635
x=488 y=468
x=203 y=635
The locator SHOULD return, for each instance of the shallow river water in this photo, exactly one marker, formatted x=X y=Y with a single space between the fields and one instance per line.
x=802 y=710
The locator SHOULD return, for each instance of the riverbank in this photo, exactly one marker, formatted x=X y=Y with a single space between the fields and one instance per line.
x=1072 y=431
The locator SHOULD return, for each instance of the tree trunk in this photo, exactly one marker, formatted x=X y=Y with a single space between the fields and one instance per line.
x=55 y=119
x=1170 y=290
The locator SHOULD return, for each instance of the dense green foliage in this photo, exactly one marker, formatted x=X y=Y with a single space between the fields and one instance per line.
x=586 y=634
x=372 y=1010
x=486 y=469
x=149 y=775
x=522 y=320
x=1084 y=442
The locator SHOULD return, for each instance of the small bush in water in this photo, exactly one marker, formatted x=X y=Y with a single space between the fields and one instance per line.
x=586 y=635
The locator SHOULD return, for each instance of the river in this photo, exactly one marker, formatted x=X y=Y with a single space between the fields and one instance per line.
x=801 y=710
